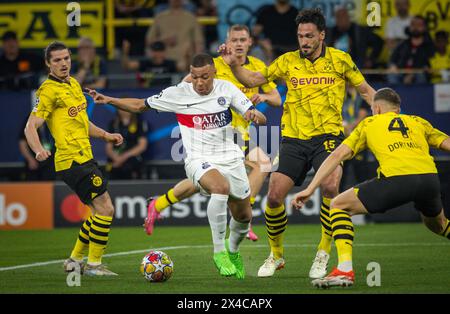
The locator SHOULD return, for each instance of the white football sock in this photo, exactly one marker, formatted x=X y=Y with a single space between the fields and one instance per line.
x=238 y=231
x=217 y=217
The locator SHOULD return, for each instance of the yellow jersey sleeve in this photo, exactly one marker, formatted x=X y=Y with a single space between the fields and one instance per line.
x=45 y=103
x=357 y=140
x=434 y=136
x=351 y=71
x=276 y=70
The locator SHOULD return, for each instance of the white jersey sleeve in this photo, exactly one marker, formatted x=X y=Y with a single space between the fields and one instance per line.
x=167 y=100
x=239 y=102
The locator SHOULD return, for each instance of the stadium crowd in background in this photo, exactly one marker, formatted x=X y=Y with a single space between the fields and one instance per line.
x=406 y=44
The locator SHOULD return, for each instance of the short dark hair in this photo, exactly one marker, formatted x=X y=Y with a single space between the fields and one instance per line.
x=54 y=46
x=314 y=16
x=9 y=35
x=202 y=59
x=389 y=95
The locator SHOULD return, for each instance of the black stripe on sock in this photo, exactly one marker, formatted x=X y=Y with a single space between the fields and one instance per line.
x=100 y=225
x=101 y=242
x=446 y=228
x=101 y=219
x=84 y=231
x=168 y=199
x=343 y=237
x=83 y=239
x=269 y=227
x=337 y=213
x=333 y=220
x=275 y=233
x=88 y=223
x=328 y=234
x=278 y=221
x=276 y=216
x=343 y=227
x=99 y=233
x=327 y=214
x=325 y=219
x=326 y=207
x=326 y=227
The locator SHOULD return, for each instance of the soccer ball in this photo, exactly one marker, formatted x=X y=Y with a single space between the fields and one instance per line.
x=157 y=266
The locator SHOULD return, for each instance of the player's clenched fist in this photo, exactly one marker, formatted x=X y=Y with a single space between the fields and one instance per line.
x=43 y=155
x=114 y=138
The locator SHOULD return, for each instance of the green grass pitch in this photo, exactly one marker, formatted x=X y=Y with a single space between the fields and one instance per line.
x=412 y=260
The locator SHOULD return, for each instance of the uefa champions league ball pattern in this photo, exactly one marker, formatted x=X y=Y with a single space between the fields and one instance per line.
x=156 y=266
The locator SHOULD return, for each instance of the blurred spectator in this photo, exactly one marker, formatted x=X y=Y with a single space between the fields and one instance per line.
x=276 y=24
x=35 y=170
x=89 y=69
x=396 y=27
x=18 y=70
x=413 y=53
x=156 y=64
x=134 y=8
x=440 y=62
x=163 y=5
x=125 y=161
x=208 y=8
x=180 y=32
x=262 y=50
x=360 y=42
x=135 y=34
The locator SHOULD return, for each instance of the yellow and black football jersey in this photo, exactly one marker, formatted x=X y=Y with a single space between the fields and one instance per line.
x=400 y=143
x=63 y=106
x=316 y=91
x=224 y=72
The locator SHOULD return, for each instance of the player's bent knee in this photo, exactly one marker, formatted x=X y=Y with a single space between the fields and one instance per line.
x=274 y=199
x=103 y=205
x=330 y=189
x=243 y=216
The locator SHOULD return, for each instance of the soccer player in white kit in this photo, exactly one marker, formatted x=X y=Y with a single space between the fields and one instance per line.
x=213 y=162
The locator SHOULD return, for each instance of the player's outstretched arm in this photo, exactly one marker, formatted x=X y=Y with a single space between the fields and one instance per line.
x=33 y=140
x=96 y=132
x=343 y=152
x=134 y=105
x=366 y=91
x=248 y=78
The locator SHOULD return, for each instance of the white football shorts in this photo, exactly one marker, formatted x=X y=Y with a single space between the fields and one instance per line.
x=234 y=172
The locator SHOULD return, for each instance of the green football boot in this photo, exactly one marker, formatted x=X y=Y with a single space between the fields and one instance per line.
x=236 y=259
x=224 y=265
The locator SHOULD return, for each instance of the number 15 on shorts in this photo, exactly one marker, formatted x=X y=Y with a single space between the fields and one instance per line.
x=329 y=145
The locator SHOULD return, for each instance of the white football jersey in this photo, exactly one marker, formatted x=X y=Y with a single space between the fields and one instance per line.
x=205 y=121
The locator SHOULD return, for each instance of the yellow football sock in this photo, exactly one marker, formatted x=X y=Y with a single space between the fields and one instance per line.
x=82 y=244
x=343 y=234
x=165 y=201
x=276 y=223
x=98 y=238
x=446 y=232
x=325 y=240
x=252 y=201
